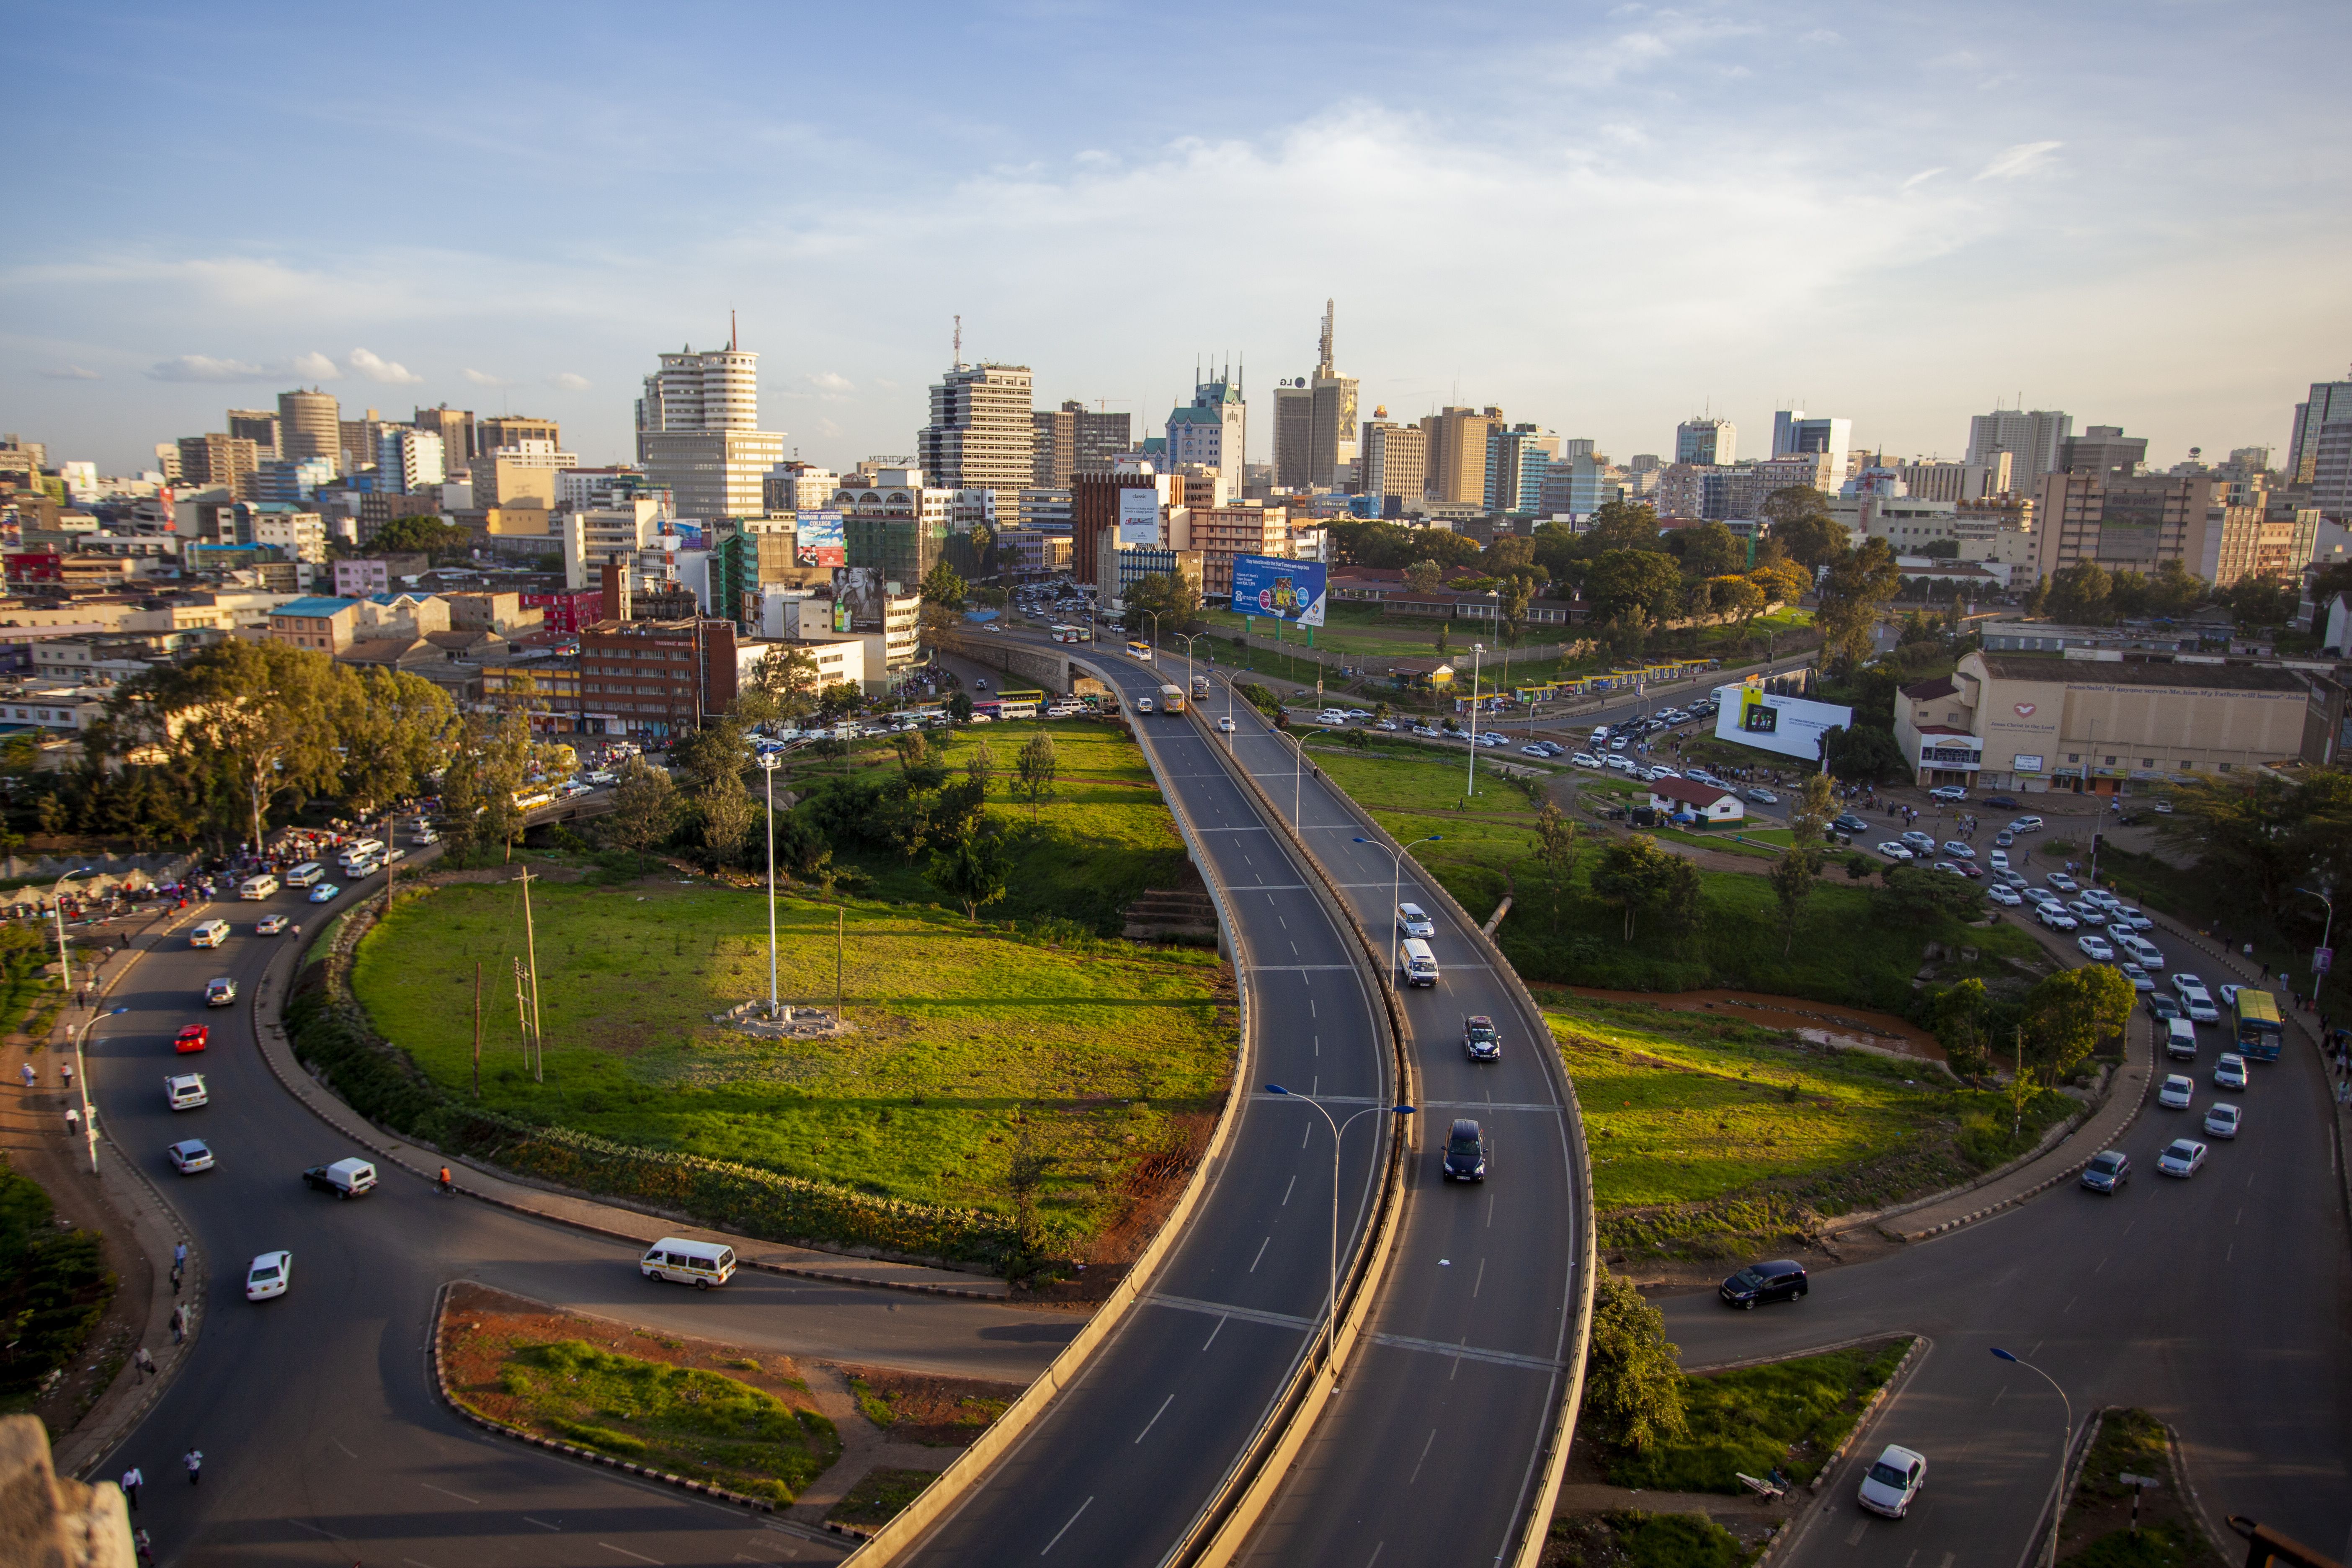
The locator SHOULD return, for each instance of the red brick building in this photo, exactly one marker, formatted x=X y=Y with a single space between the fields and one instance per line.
x=656 y=678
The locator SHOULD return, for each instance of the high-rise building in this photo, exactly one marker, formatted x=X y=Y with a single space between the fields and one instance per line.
x=2102 y=448
x=357 y=440
x=2330 y=452
x=698 y=436
x=1793 y=434
x=408 y=458
x=1456 y=438
x=258 y=426
x=1392 y=463
x=1054 y=446
x=309 y=424
x=227 y=461
x=1517 y=462
x=2128 y=522
x=1096 y=510
x=1706 y=441
x=1212 y=431
x=2032 y=438
x=2330 y=402
x=1294 y=434
x=456 y=428
x=492 y=431
x=1333 y=457
x=981 y=435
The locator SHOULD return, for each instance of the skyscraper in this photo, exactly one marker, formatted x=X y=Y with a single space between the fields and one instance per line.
x=1457 y=454
x=697 y=433
x=2330 y=402
x=2032 y=440
x=1708 y=441
x=1213 y=430
x=1334 y=446
x=981 y=435
x=309 y=424
x=1794 y=435
x=257 y=426
x=456 y=428
x=407 y=459
x=1293 y=434
x=1393 y=464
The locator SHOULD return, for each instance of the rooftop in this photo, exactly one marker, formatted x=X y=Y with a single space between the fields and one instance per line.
x=2140 y=672
x=1684 y=790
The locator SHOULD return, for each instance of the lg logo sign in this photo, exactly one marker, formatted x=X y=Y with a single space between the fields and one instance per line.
x=2025 y=709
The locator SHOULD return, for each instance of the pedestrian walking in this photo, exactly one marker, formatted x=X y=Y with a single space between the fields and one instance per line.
x=146 y=1547
x=176 y=1272
x=64 y=1070
x=144 y=1362
x=180 y=1255
x=132 y=1480
x=179 y=1325
x=194 y=1459
x=73 y=1121
x=30 y=1077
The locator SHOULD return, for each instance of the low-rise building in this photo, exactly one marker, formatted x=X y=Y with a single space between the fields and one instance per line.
x=1705 y=802
x=656 y=678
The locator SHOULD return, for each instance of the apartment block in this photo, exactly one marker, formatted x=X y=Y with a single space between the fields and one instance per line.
x=1456 y=445
x=258 y=426
x=1218 y=533
x=2127 y=522
x=2030 y=439
x=981 y=435
x=1393 y=462
x=230 y=462
x=656 y=677
x=1709 y=443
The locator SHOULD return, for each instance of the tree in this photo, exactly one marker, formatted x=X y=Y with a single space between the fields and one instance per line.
x=2261 y=599
x=1733 y=598
x=1640 y=878
x=1710 y=550
x=2173 y=590
x=644 y=808
x=710 y=753
x=1851 y=599
x=1792 y=883
x=1516 y=593
x=2079 y=593
x=1622 y=525
x=843 y=697
x=1957 y=1013
x=943 y=586
x=1643 y=581
x=421 y=536
x=960 y=707
x=395 y=728
x=783 y=688
x=1424 y=577
x=2071 y=1014
x=1916 y=897
x=1556 y=851
x=1812 y=538
x=1173 y=595
x=1632 y=1384
x=1811 y=813
x=2257 y=839
x=972 y=868
x=1782 y=581
x=1035 y=768
x=980 y=766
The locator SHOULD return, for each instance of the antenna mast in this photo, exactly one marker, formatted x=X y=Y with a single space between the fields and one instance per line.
x=959 y=342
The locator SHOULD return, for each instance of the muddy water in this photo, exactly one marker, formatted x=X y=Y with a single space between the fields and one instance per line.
x=1824 y=1022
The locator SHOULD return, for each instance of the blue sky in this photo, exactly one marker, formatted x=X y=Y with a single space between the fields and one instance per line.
x=1599 y=217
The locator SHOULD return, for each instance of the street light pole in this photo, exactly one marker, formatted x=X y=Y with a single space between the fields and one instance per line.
x=2326 y=933
x=768 y=763
x=1331 y=1302
x=57 y=908
x=2064 y=1448
x=81 y=1075
x=1477 y=653
x=1298 y=771
x=1396 y=889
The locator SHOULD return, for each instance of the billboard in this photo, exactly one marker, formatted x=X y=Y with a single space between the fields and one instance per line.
x=840 y=615
x=821 y=541
x=1792 y=726
x=1285 y=590
x=1138 y=516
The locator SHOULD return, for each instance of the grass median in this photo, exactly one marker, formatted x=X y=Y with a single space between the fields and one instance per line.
x=972 y=1053
x=1788 y=1415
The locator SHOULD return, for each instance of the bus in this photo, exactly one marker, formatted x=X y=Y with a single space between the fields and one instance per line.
x=2258 y=1029
x=1070 y=634
x=1017 y=704
x=1171 y=699
x=1141 y=650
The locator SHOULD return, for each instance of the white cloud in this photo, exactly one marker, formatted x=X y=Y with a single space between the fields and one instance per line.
x=569 y=381
x=1922 y=176
x=70 y=373
x=385 y=371
x=313 y=366
x=2017 y=163
x=483 y=378
x=829 y=381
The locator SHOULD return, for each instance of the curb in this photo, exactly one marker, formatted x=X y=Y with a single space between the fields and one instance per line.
x=1868 y=1413
x=1785 y=1539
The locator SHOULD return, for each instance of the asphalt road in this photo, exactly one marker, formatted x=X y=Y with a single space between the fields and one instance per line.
x=2222 y=1303
x=1430 y=1451
x=322 y=1437
x=1125 y=1461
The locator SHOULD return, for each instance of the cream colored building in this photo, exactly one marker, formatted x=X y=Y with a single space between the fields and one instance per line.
x=2094 y=721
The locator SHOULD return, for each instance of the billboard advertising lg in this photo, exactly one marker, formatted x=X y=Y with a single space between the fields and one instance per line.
x=1285 y=590
x=821 y=541
x=1138 y=516
x=1792 y=726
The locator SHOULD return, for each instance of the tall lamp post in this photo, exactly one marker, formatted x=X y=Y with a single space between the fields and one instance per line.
x=1155 y=634
x=1331 y=1303
x=1298 y=771
x=1396 y=888
x=81 y=1074
x=2326 y=932
x=768 y=763
x=57 y=908
x=1188 y=640
x=1477 y=653
x=2065 y=1446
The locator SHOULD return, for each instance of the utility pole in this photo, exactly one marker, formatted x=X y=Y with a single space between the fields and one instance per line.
x=531 y=949
x=478 y=1028
x=522 y=1013
x=840 y=942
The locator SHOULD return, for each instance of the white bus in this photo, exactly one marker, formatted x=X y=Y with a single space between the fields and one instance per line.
x=1141 y=650
x=1069 y=634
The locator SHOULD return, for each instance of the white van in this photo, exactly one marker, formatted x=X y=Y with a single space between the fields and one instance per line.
x=701 y=1264
x=1416 y=964
x=257 y=887
x=2138 y=949
x=2179 y=1038
x=211 y=933
x=309 y=874
x=362 y=852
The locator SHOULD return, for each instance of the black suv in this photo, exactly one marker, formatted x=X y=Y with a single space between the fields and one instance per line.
x=1760 y=1282
x=1850 y=822
x=1465 y=1152
x=1480 y=1039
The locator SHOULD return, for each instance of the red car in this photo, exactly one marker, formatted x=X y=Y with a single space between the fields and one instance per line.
x=194 y=1037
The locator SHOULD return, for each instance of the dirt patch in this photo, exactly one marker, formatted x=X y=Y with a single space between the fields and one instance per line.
x=1820 y=1022
x=937 y=1412
x=880 y=1495
x=1147 y=1193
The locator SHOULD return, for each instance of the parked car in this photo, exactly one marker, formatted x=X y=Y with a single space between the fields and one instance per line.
x=1763 y=796
x=1585 y=760
x=1781 y=1280
x=2222 y=1118
x=1958 y=850
x=2181 y=1157
x=1891 y=1485
x=2109 y=1169
x=1534 y=751
x=190 y=1156
x=2006 y=802
x=2001 y=893
x=2175 y=1092
x=192 y=1039
x=2055 y=916
x=1480 y=1039
x=269 y=1276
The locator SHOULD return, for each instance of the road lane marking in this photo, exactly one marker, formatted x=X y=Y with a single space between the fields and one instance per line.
x=1288 y=1190
x=1490 y=1211
x=314 y=1530
x=542 y=1524
x=1328 y=1100
x=1295 y=968
x=1156 y=1414
x=1212 y=1335
x=1438 y=1347
x=1219 y=1309
x=626 y=1552
x=1066 y=1528
x=1377 y=1549
x=1261 y=1253
x=339 y=1443
x=445 y=1491
x=1426 y=1447
x=1488 y=1105
x=1853 y=1536
x=1477 y=1284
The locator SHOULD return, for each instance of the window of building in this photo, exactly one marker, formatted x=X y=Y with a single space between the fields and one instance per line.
x=2111 y=760
x=2225 y=767
x=2148 y=762
x=2073 y=757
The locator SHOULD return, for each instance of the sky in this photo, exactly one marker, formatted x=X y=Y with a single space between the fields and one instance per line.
x=1602 y=218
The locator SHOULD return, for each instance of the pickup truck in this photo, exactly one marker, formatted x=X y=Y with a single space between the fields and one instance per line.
x=344 y=1178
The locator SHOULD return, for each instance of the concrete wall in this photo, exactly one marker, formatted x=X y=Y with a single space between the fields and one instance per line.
x=1049 y=669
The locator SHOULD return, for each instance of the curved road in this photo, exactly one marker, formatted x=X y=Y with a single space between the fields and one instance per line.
x=324 y=1441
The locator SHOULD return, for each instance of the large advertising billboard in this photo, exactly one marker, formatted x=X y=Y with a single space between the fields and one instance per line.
x=1138 y=516
x=1285 y=590
x=821 y=541
x=1792 y=726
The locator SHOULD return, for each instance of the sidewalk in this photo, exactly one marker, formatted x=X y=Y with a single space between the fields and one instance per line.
x=597 y=1216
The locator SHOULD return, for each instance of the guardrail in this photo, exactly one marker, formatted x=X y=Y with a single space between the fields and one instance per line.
x=895 y=1539
x=1537 y=1521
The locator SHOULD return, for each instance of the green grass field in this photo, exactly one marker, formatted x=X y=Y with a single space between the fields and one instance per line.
x=966 y=1041
x=1710 y=1136
x=1789 y=1414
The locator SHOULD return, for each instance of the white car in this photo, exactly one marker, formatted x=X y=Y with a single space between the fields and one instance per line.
x=2037 y=895
x=1998 y=859
x=2229 y=1072
x=2007 y=896
x=1891 y=1486
x=2181 y=1157
x=2221 y=1121
x=1921 y=843
x=1947 y=791
x=1413 y=921
x=1958 y=850
x=1621 y=764
x=269 y=1276
x=1360 y=712
x=2129 y=917
x=184 y=1090
x=2103 y=898
x=1585 y=760
x=1387 y=724
x=2175 y=1092
x=2228 y=995
x=2087 y=912
x=189 y=1157
x=1535 y=751
x=1895 y=852
x=1225 y=726
x=2062 y=883
x=2055 y=916
x=2026 y=825
x=1331 y=716
x=1425 y=729
x=2095 y=948
x=2199 y=1005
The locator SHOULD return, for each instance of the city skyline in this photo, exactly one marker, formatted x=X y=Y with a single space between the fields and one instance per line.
x=1734 y=209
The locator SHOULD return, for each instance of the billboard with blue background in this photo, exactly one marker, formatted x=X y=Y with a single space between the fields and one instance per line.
x=1284 y=590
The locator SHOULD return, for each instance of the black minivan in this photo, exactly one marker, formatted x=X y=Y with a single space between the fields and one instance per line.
x=1465 y=1152
x=1760 y=1282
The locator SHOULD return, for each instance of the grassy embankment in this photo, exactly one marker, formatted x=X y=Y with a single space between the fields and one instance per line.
x=1712 y=1138
x=967 y=1044
x=2099 y=1516
x=1785 y=1414
x=54 y=1289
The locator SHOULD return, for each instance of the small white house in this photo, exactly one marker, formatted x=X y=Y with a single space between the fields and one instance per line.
x=1709 y=804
